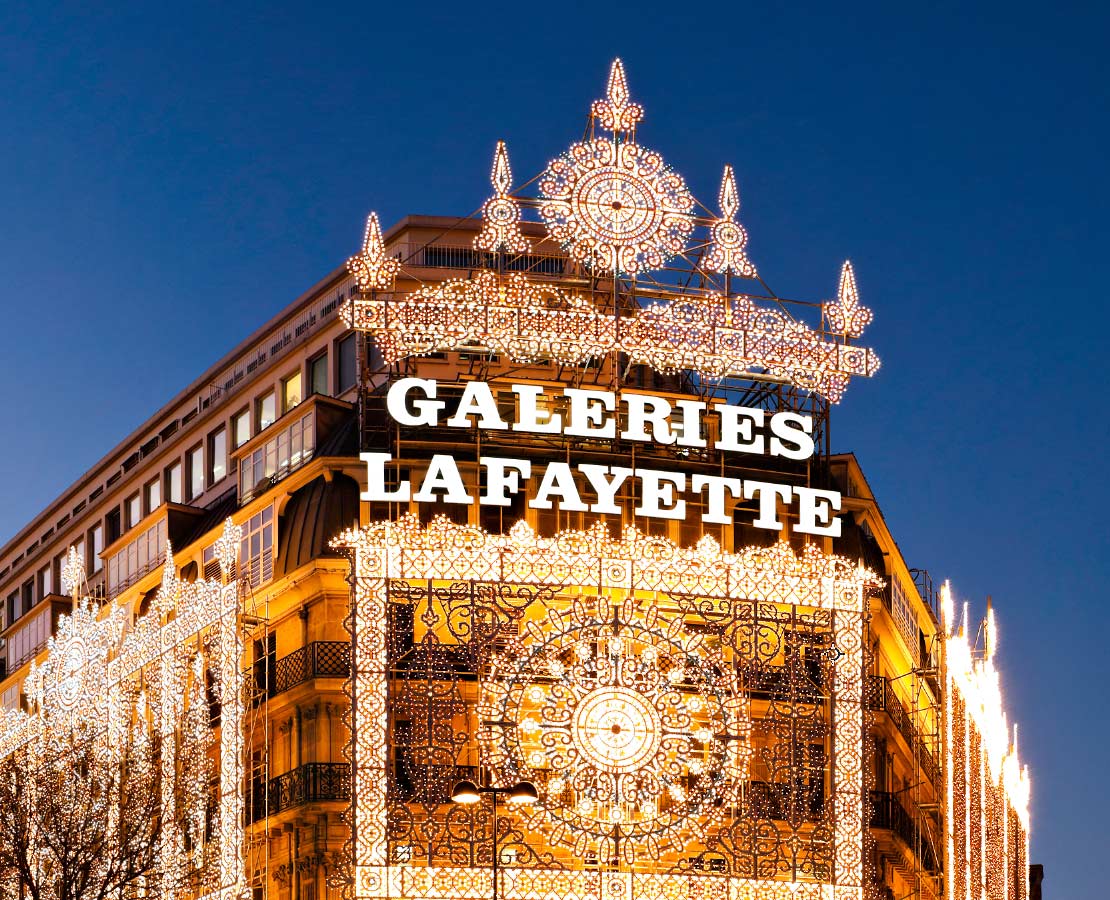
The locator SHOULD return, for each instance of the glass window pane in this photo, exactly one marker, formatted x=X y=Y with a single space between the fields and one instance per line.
x=173 y=483
x=347 y=370
x=267 y=411
x=291 y=392
x=318 y=374
x=242 y=425
x=217 y=455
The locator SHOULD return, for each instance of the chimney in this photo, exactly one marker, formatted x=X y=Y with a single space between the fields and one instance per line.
x=1036 y=876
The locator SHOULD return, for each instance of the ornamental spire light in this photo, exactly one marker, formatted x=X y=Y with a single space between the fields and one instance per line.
x=501 y=213
x=73 y=574
x=728 y=238
x=373 y=270
x=617 y=112
x=847 y=315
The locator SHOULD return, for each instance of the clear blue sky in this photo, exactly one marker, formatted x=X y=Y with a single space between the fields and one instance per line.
x=172 y=175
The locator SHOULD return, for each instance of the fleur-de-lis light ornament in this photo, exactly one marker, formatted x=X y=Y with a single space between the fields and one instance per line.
x=617 y=112
x=501 y=214
x=373 y=270
x=227 y=547
x=73 y=574
x=846 y=315
x=728 y=238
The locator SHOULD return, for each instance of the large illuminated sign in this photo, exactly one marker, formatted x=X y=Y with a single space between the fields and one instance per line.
x=605 y=415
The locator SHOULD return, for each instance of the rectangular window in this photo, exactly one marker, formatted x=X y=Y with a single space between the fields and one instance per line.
x=256 y=552
x=10 y=698
x=134 y=507
x=46 y=582
x=28 y=591
x=114 y=528
x=241 y=426
x=13 y=611
x=288 y=449
x=194 y=471
x=265 y=411
x=96 y=540
x=153 y=492
x=174 y=485
x=217 y=455
x=318 y=374
x=347 y=365
x=291 y=392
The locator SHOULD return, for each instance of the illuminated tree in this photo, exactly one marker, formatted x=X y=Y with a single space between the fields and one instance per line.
x=80 y=822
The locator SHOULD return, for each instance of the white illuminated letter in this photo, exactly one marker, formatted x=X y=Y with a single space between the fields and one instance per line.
x=639 y=415
x=605 y=488
x=503 y=478
x=477 y=400
x=442 y=475
x=737 y=422
x=767 y=494
x=427 y=411
x=791 y=442
x=588 y=413
x=659 y=491
x=558 y=480
x=529 y=418
x=815 y=511
x=715 y=495
x=375 y=480
x=689 y=434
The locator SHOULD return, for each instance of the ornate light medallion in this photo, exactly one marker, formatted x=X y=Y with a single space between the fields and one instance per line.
x=614 y=204
x=633 y=729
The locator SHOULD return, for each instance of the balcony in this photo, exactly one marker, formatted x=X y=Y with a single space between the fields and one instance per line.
x=881 y=698
x=287 y=445
x=319 y=659
x=888 y=814
x=309 y=783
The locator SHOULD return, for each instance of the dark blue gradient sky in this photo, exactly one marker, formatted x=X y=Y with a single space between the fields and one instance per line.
x=172 y=175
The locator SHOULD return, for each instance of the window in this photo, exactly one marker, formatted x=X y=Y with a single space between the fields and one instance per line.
x=96 y=540
x=256 y=552
x=10 y=698
x=174 y=484
x=347 y=368
x=217 y=455
x=29 y=639
x=46 y=582
x=132 y=562
x=318 y=374
x=14 y=611
x=288 y=449
x=291 y=392
x=134 y=508
x=113 y=522
x=241 y=427
x=153 y=492
x=79 y=546
x=265 y=411
x=194 y=471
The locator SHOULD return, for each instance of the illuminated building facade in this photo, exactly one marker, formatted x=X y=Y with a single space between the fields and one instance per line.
x=546 y=502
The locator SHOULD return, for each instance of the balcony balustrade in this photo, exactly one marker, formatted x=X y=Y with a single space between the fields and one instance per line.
x=888 y=813
x=319 y=659
x=309 y=783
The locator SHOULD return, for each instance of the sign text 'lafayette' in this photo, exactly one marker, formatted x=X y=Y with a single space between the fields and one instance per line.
x=605 y=415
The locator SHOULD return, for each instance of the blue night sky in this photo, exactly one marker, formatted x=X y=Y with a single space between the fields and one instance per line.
x=173 y=175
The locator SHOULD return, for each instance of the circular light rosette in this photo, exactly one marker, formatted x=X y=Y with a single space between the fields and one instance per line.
x=616 y=206
x=634 y=731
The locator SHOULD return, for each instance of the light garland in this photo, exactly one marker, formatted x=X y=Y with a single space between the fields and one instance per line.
x=728 y=238
x=528 y=321
x=100 y=670
x=501 y=213
x=576 y=731
x=372 y=268
x=986 y=785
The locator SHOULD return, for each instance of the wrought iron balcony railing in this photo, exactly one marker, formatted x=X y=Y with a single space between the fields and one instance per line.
x=310 y=783
x=319 y=659
x=881 y=698
x=888 y=813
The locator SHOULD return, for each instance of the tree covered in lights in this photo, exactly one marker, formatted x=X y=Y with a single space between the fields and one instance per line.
x=79 y=823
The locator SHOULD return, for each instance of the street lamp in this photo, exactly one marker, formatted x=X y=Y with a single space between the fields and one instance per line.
x=468 y=793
